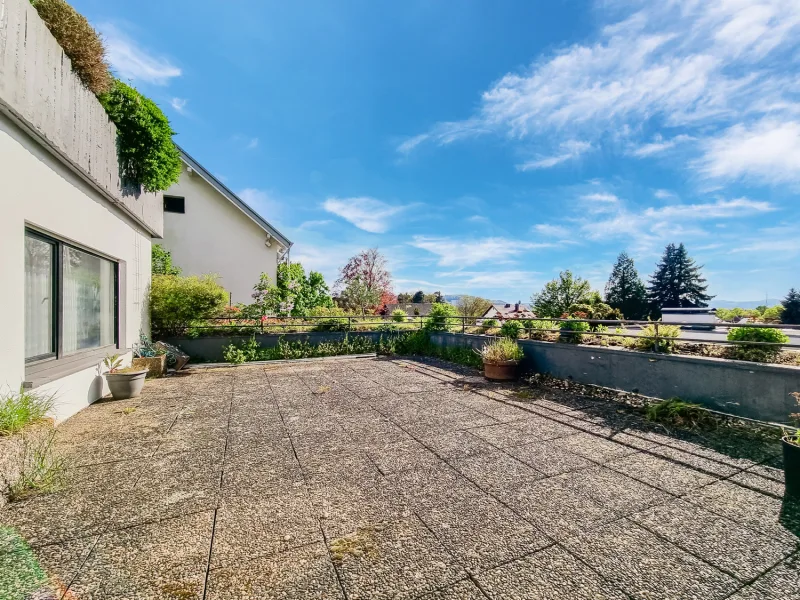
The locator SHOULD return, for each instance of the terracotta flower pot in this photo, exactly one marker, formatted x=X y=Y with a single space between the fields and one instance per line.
x=126 y=385
x=791 y=467
x=501 y=370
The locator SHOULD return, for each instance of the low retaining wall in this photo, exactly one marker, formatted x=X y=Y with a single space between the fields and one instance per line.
x=209 y=349
x=752 y=390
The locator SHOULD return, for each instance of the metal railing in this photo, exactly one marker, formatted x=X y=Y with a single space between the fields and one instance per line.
x=474 y=325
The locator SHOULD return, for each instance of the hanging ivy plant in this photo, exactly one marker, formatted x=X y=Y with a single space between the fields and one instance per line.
x=147 y=154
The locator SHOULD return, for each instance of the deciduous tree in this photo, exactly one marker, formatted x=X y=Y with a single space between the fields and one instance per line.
x=559 y=294
x=364 y=279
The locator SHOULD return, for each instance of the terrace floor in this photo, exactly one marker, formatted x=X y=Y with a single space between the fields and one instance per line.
x=378 y=478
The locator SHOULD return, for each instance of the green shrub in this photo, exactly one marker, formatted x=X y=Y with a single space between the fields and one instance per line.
x=80 y=42
x=754 y=352
x=511 y=329
x=572 y=330
x=667 y=334
x=161 y=261
x=176 y=302
x=538 y=329
x=441 y=317
x=147 y=154
x=490 y=323
x=334 y=321
x=678 y=413
x=501 y=349
x=18 y=409
x=398 y=315
x=773 y=314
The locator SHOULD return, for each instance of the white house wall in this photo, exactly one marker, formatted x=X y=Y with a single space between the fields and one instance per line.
x=37 y=190
x=215 y=236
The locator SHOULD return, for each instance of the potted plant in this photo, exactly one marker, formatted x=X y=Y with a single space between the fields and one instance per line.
x=791 y=454
x=147 y=355
x=124 y=383
x=500 y=359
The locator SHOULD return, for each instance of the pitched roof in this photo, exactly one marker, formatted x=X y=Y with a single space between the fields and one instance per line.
x=233 y=198
x=511 y=311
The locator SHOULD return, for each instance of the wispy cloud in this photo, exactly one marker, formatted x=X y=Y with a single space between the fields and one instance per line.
x=568 y=150
x=314 y=224
x=458 y=252
x=179 y=104
x=659 y=144
x=262 y=202
x=365 y=213
x=697 y=68
x=768 y=151
x=252 y=144
x=549 y=230
x=131 y=61
x=664 y=194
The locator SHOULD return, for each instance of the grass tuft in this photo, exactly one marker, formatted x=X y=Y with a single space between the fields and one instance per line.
x=360 y=543
x=678 y=413
x=19 y=409
x=40 y=469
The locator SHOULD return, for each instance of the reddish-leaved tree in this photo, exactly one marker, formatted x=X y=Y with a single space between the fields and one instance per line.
x=366 y=271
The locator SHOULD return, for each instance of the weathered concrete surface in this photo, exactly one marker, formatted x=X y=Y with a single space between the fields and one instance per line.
x=210 y=348
x=39 y=90
x=746 y=389
x=378 y=478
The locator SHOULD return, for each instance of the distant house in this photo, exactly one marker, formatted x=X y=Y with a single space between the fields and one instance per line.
x=501 y=312
x=412 y=309
x=209 y=229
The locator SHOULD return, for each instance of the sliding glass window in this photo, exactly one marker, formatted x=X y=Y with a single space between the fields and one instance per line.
x=71 y=299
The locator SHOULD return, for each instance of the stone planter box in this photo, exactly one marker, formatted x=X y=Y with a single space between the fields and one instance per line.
x=155 y=365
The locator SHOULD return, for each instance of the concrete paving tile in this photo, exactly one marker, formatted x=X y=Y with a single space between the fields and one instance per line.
x=759 y=483
x=556 y=507
x=401 y=559
x=614 y=490
x=780 y=583
x=645 y=566
x=433 y=486
x=504 y=435
x=299 y=574
x=734 y=548
x=496 y=472
x=456 y=444
x=550 y=574
x=550 y=457
x=482 y=533
x=62 y=562
x=101 y=447
x=663 y=474
x=765 y=514
x=597 y=449
x=401 y=456
x=695 y=462
x=463 y=590
x=266 y=525
x=167 y=559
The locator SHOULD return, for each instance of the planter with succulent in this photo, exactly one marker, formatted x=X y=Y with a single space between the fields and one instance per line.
x=500 y=359
x=124 y=382
x=791 y=454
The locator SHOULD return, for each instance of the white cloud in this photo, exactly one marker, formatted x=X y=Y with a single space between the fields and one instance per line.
x=696 y=67
x=567 y=151
x=549 y=230
x=179 y=104
x=478 y=219
x=252 y=144
x=314 y=224
x=453 y=252
x=663 y=194
x=601 y=197
x=262 y=202
x=721 y=209
x=767 y=151
x=132 y=62
x=365 y=213
x=659 y=144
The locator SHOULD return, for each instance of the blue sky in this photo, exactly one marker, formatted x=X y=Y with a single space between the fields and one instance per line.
x=484 y=148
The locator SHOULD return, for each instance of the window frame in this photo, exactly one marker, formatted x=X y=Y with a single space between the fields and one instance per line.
x=176 y=212
x=34 y=363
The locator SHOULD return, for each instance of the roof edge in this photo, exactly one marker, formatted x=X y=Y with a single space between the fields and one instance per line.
x=240 y=204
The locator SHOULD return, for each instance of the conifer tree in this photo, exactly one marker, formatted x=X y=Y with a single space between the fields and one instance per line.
x=625 y=290
x=791 y=308
x=677 y=282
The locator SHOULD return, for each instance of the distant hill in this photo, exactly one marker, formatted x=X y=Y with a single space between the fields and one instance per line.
x=743 y=303
x=453 y=299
